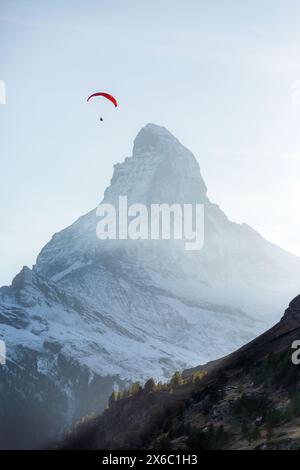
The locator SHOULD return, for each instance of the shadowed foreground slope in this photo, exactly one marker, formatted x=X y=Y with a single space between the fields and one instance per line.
x=249 y=399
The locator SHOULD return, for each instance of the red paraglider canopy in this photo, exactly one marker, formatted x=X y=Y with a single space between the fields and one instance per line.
x=105 y=95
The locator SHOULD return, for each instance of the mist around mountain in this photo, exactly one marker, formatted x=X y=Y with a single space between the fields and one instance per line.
x=93 y=315
x=247 y=400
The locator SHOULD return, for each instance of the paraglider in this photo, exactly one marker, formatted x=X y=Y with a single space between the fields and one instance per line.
x=104 y=95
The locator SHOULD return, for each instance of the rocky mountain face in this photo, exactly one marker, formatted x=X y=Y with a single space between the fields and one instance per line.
x=249 y=399
x=292 y=313
x=95 y=314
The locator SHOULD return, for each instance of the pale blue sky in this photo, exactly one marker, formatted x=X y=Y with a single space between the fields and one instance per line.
x=217 y=74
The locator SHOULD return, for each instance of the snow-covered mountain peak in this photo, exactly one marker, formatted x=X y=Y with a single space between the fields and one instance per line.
x=153 y=138
x=161 y=170
x=93 y=313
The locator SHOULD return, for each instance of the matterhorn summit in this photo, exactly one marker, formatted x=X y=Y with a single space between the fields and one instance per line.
x=94 y=314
